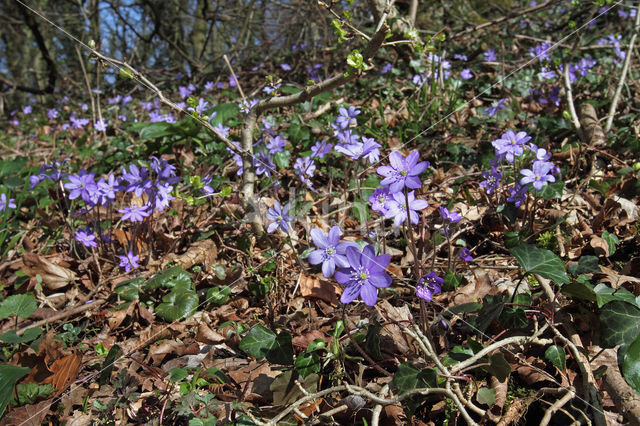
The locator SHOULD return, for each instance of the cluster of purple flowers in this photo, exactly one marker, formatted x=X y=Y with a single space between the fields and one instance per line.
x=393 y=200
x=349 y=142
x=509 y=147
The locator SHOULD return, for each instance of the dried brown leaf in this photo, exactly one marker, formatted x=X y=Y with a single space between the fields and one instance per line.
x=312 y=287
x=65 y=370
x=202 y=252
x=53 y=276
x=27 y=415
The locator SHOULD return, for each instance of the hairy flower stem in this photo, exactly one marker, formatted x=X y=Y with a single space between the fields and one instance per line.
x=412 y=242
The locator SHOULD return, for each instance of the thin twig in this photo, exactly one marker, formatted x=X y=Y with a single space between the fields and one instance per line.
x=623 y=76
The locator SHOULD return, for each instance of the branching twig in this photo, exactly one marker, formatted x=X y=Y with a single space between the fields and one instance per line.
x=568 y=396
x=623 y=75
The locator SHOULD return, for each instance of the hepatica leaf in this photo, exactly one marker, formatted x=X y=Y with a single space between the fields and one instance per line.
x=9 y=376
x=22 y=305
x=180 y=303
x=539 y=261
x=619 y=324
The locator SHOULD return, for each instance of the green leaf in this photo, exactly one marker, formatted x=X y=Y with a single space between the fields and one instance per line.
x=178 y=374
x=583 y=291
x=486 y=396
x=180 y=303
x=539 y=261
x=170 y=278
x=499 y=367
x=282 y=159
x=612 y=241
x=224 y=112
x=260 y=342
x=285 y=390
x=308 y=363
x=29 y=393
x=514 y=316
x=408 y=377
x=619 y=324
x=631 y=365
x=22 y=305
x=109 y=364
x=551 y=190
x=605 y=294
x=557 y=356
x=218 y=295
x=157 y=130
x=451 y=281
x=491 y=310
x=356 y=60
x=372 y=341
x=9 y=376
x=29 y=335
x=585 y=265
x=129 y=290
x=126 y=73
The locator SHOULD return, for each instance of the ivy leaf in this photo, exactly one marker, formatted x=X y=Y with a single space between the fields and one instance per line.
x=539 y=261
x=557 y=356
x=22 y=305
x=308 y=363
x=180 y=303
x=109 y=364
x=631 y=365
x=585 y=265
x=499 y=367
x=619 y=324
x=409 y=377
x=218 y=295
x=486 y=396
x=260 y=342
x=606 y=294
x=9 y=376
x=612 y=240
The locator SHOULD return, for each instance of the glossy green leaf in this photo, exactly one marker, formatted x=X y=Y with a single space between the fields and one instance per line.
x=157 y=130
x=557 y=356
x=619 y=324
x=486 y=396
x=612 y=241
x=9 y=376
x=499 y=367
x=544 y=262
x=605 y=294
x=585 y=265
x=409 y=377
x=170 y=278
x=631 y=365
x=552 y=190
x=29 y=393
x=22 y=305
x=180 y=303
x=260 y=342
x=109 y=364
x=29 y=335
x=129 y=290
x=218 y=295
x=308 y=363
x=578 y=290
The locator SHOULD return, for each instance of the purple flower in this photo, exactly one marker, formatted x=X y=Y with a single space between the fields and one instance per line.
x=100 y=125
x=398 y=208
x=34 y=180
x=305 y=166
x=347 y=117
x=78 y=123
x=263 y=164
x=451 y=217
x=429 y=285
x=320 y=149
x=495 y=107
x=380 y=200
x=200 y=108
x=86 y=238
x=129 y=261
x=84 y=107
x=245 y=106
x=517 y=195
x=491 y=180
x=554 y=95
x=345 y=136
x=6 y=203
x=285 y=67
x=276 y=144
x=330 y=252
x=163 y=169
x=232 y=81
x=280 y=217
x=82 y=185
x=364 y=276
x=107 y=189
x=465 y=255
x=221 y=128
x=27 y=110
x=52 y=114
x=466 y=74
x=490 y=55
x=539 y=174
x=386 y=68
x=135 y=213
x=460 y=57
x=209 y=85
x=511 y=145
x=403 y=172
x=137 y=178
x=541 y=51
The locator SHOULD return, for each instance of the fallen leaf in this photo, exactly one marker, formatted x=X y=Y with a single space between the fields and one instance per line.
x=27 y=415
x=207 y=335
x=312 y=287
x=202 y=252
x=65 y=371
x=53 y=276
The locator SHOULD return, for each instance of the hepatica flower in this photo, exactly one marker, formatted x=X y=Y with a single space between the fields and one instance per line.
x=491 y=180
x=82 y=185
x=364 y=276
x=280 y=217
x=403 y=172
x=347 y=117
x=135 y=213
x=466 y=74
x=495 y=107
x=129 y=262
x=450 y=217
x=539 y=174
x=465 y=255
x=380 y=200
x=6 y=203
x=511 y=145
x=86 y=238
x=331 y=252
x=429 y=285
x=490 y=55
x=398 y=208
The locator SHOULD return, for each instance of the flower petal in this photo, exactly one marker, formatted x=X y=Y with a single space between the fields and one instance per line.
x=272 y=227
x=369 y=294
x=334 y=235
x=343 y=276
x=319 y=239
x=419 y=168
x=380 y=280
x=397 y=160
x=353 y=256
x=350 y=293
x=328 y=268
x=385 y=170
x=368 y=256
x=316 y=257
